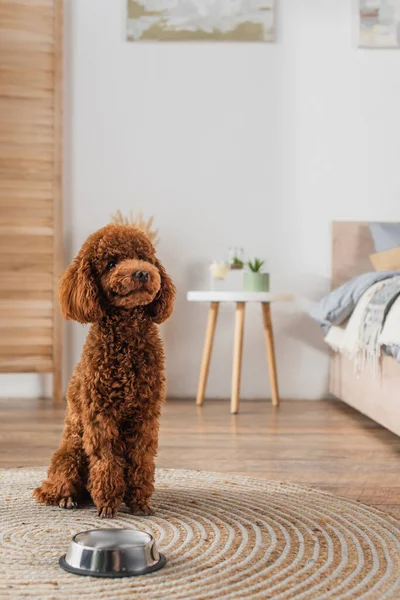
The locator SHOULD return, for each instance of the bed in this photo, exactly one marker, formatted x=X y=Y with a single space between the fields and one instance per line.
x=378 y=397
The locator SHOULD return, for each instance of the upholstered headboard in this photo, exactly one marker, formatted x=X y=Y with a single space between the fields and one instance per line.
x=352 y=245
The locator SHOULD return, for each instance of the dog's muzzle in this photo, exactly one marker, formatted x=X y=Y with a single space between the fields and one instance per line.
x=141 y=276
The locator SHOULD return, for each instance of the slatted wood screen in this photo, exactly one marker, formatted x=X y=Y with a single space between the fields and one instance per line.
x=30 y=186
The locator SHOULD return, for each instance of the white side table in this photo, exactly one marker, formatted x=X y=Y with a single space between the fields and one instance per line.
x=214 y=298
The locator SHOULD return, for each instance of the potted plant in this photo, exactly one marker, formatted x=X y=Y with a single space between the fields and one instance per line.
x=236 y=263
x=236 y=258
x=137 y=220
x=254 y=279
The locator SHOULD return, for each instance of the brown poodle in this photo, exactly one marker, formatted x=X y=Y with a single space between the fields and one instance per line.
x=115 y=394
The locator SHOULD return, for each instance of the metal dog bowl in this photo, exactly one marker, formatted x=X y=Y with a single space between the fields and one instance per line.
x=112 y=553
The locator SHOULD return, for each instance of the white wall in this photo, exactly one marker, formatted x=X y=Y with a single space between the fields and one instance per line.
x=232 y=144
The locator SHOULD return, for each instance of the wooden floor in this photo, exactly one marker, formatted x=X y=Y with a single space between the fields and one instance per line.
x=323 y=444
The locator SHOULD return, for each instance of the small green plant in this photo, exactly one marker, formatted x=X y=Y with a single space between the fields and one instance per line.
x=255 y=265
x=236 y=263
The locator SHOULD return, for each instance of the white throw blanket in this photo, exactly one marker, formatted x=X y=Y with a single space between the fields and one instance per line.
x=365 y=332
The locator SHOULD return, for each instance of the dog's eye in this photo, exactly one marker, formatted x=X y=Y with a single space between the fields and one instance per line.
x=111 y=265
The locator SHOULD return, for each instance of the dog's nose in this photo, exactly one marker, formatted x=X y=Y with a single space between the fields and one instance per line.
x=141 y=276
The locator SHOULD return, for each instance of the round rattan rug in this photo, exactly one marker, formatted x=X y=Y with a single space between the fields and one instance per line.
x=224 y=537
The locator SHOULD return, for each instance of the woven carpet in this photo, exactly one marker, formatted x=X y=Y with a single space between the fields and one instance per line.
x=224 y=537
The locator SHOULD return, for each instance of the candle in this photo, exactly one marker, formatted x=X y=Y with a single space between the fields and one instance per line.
x=218 y=270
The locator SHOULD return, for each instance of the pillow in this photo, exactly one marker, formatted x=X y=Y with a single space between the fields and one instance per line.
x=386 y=261
x=385 y=235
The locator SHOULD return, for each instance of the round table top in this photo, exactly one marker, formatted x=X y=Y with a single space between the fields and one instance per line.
x=239 y=296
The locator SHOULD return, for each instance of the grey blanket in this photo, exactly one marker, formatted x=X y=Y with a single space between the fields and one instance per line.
x=374 y=319
x=337 y=306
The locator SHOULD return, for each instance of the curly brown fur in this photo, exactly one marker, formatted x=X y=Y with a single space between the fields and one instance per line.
x=115 y=394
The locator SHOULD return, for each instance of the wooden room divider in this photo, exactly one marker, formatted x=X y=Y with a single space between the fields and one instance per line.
x=30 y=187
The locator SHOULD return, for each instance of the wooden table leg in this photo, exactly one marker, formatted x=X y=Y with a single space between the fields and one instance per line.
x=208 y=344
x=237 y=357
x=269 y=339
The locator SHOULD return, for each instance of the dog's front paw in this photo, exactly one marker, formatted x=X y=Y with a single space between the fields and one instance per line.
x=106 y=512
x=45 y=494
x=49 y=494
x=67 y=502
x=141 y=510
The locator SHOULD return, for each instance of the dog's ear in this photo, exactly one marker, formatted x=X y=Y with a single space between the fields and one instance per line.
x=78 y=293
x=163 y=304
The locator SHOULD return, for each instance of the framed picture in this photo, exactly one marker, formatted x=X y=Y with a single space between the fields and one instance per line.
x=201 y=20
x=379 y=23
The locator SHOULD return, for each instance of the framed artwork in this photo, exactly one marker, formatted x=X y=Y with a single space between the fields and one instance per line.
x=201 y=20
x=379 y=24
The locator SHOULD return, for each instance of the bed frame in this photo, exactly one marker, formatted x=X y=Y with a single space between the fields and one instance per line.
x=376 y=397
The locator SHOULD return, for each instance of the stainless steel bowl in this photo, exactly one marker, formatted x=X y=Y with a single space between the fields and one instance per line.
x=112 y=553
